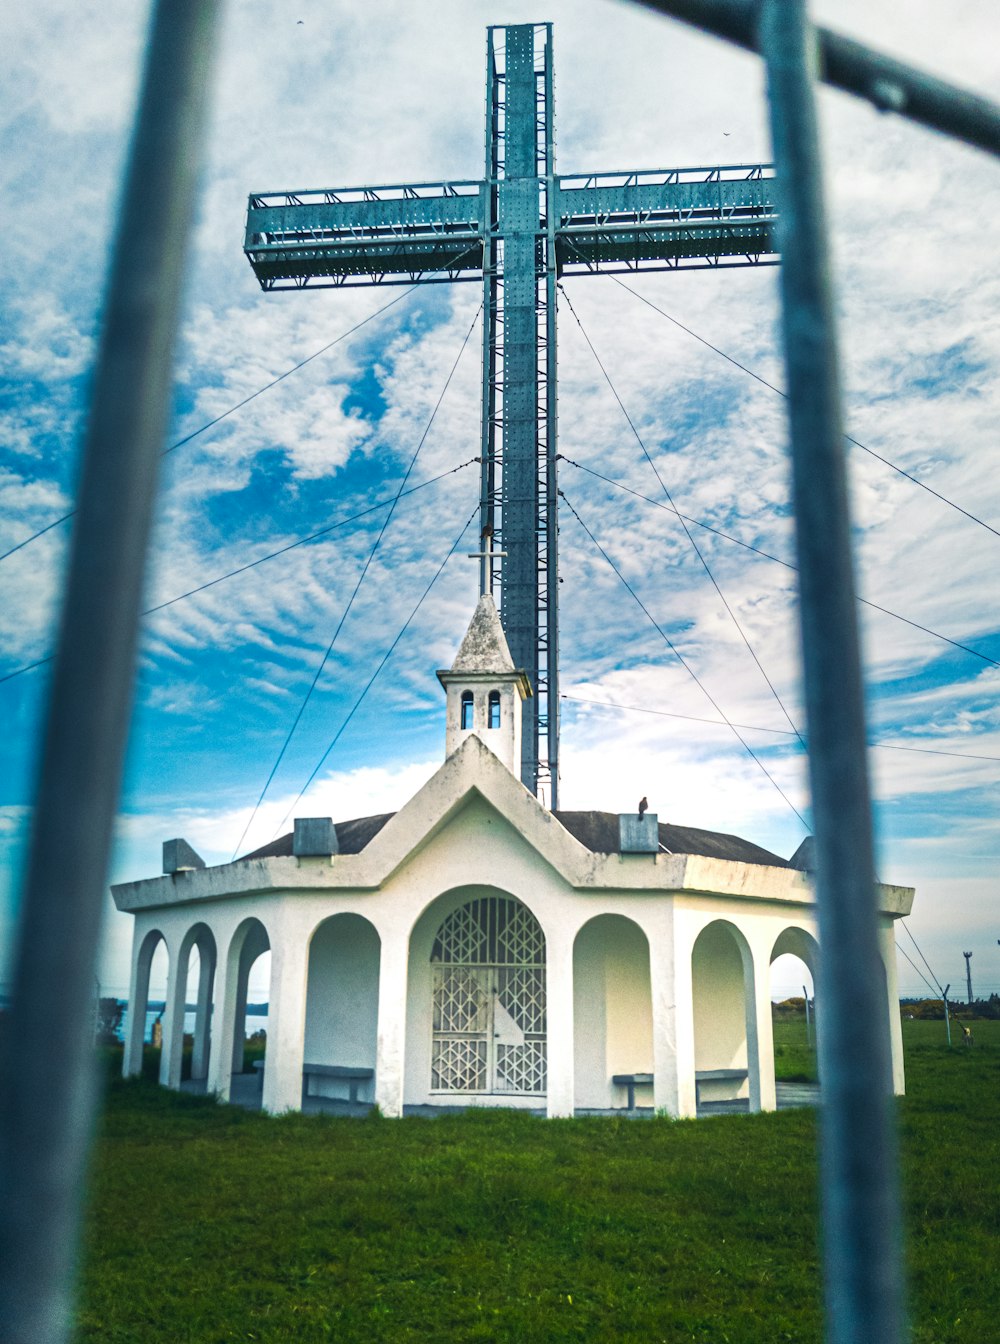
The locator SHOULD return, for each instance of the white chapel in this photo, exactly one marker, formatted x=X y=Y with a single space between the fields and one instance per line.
x=475 y=948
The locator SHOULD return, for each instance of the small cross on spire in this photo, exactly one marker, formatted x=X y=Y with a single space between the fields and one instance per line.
x=486 y=556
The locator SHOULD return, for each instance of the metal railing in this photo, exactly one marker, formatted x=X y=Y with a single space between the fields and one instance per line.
x=45 y=1100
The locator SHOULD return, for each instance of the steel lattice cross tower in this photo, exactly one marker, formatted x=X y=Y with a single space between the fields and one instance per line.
x=517 y=231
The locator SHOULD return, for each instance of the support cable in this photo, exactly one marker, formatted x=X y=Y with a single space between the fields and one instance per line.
x=766 y=555
x=684 y=663
x=778 y=392
x=756 y=728
x=922 y=957
x=360 y=581
x=385 y=658
x=272 y=555
x=680 y=518
x=902 y=952
x=232 y=409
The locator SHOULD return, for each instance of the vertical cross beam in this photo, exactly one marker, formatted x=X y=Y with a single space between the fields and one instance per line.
x=519 y=422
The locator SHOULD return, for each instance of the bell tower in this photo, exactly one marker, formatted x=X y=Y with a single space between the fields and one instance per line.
x=485 y=690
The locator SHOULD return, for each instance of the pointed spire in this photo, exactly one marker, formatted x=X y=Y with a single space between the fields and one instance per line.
x=484 y=648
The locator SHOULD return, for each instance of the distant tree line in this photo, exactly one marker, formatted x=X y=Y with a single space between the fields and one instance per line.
x=932 y=1010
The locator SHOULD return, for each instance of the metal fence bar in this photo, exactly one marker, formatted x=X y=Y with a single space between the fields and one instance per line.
x=889 y=84
x=47 y=1085
x=861 y=1240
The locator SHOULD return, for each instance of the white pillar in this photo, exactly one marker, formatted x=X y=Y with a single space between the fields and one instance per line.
x=559 y=1018
x=390 y=1049
x=687 y=1103
x=173 y=1019
x=286 y=1021
x=138 y=993
x=240 y=1012
x=760 y=1033
x=203 y=1015
x=887 y=946
x=227 y=973
x=662 y=986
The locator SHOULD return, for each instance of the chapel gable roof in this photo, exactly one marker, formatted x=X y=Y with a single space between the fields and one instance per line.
x=484 y=648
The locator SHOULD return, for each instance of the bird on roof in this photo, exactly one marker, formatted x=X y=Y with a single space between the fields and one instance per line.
x=643 y=804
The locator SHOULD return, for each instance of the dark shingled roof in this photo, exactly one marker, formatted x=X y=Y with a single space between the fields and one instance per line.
x=597 y=831
x=352 y=837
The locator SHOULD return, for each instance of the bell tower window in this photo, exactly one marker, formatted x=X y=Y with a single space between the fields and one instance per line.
x=494 y=718
x=466 y=709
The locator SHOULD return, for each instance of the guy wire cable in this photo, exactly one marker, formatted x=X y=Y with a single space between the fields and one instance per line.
x=385 y=658
x=680 y=518
x=685 y=664
x=361 y=578
x=271 y=555
x=766 y=555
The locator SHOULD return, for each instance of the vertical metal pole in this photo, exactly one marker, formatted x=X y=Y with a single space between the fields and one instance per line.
x=947 y=1019
x=47 y=1086
x=487 y=464
x=858 y=1158
x=809 y=1038
x=551 y=448
x=968 y=974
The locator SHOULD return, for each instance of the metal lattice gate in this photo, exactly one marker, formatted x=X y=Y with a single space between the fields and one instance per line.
x=488 y=1005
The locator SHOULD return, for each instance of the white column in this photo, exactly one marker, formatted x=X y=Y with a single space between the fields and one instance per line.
x=138 y=993
x=390 y=1049
x=662 y=985
x=202 y=1021
x=242 y=990
x=887 y=946
x=173 y=1019
x=227 y=972
x=687 y=1104
x=286 y=1021
x=559 y=1017
x=760 y=1033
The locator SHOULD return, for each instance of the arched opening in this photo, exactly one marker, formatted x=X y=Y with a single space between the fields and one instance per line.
x=341 y=1029
x=722 y=984
x=476 y=1008
x=246 y=977
x=467 y=710
x=612 y=1014
x=793 y=970
x=494 y=715
x=191 y=1042
x=143 y=1026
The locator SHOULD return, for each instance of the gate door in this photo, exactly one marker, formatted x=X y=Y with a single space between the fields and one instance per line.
x=488 y=963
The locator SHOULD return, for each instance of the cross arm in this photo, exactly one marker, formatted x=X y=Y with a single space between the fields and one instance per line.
x=366 y=235
x=680 y=217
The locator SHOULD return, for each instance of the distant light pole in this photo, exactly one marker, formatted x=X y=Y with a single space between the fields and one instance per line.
x=947 y=1021
x=968 y=973
x=808 y=1027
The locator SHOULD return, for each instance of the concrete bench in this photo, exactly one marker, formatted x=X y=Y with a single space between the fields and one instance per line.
x=717 y=1076
x=631 y=1081
x=345 y=1073
x=352 y=1076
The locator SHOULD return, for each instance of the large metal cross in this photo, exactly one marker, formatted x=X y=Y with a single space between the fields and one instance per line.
x=517 y=230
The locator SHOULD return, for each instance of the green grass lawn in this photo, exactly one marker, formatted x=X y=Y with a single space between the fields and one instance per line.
x=211 y=1224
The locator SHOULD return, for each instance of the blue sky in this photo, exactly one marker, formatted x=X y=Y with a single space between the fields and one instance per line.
x=358 y=94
